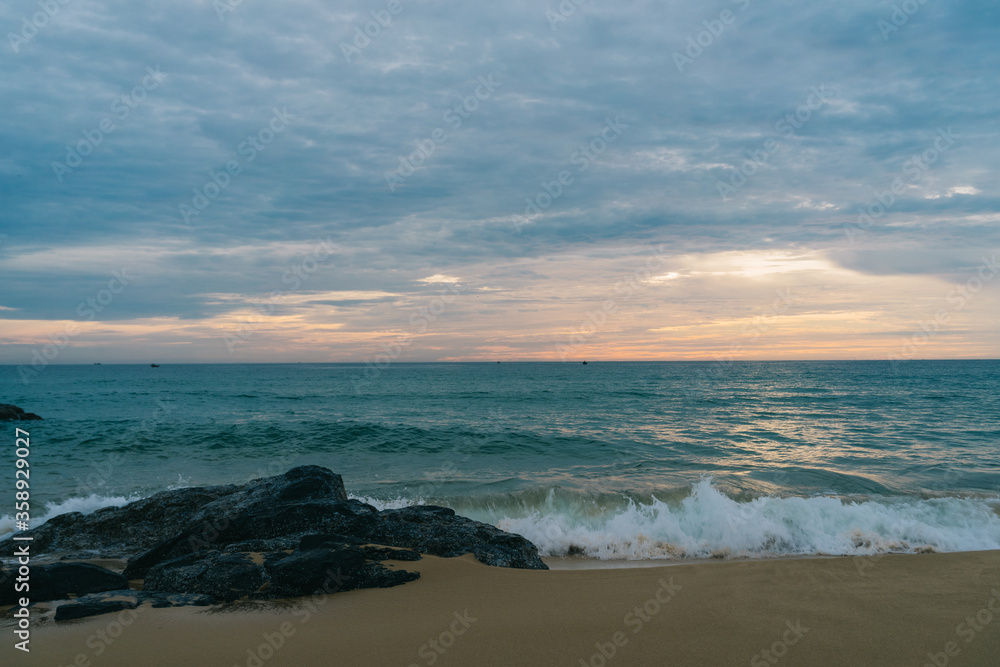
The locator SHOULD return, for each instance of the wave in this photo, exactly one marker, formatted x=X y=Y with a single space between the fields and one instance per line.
x=84 y=505
x=710 y=524
x=396 y=503
x=700 y=521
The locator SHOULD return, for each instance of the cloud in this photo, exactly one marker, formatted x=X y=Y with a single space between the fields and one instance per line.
x=766 y=146
x=439 y=278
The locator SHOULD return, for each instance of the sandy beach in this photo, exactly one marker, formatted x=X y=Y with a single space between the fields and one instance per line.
x=937 y=609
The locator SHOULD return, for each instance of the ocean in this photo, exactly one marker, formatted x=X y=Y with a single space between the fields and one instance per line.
x=619 y=461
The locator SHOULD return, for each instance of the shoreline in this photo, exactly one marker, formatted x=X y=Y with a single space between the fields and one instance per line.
x=892 y=609
x=587 y=563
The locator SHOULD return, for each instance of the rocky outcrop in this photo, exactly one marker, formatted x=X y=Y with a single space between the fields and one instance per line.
x=278 y=574
x=427 y=529
x=103 y=603
x=282 y=536
x=13 y=413
x=441 y=532
x=271 y=514
x=58 y=581
x=118 y=532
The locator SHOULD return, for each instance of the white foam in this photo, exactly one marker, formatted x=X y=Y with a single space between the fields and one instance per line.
x=704 y=524
x=708 y=523
x=84 y=505
x=390 y=504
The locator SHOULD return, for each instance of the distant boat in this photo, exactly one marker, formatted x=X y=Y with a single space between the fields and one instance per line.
x=155 y=365
x=585 y=363
x=97 y=363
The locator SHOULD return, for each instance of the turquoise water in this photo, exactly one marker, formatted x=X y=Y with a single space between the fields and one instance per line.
x=613 y=460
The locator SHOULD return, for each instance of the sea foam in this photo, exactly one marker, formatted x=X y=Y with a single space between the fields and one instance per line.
x=708 y=523
x=703 y=523
x=84 y=505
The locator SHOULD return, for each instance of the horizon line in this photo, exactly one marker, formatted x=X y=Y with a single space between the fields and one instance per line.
x=502 y=361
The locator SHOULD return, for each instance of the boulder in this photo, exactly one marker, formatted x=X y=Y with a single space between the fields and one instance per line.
x=426 y=529
x=270 y=526
x=13 y=413
x=226 y=576
x=282 y=536
x=119 y=532
x=58 y=581
x=91 y=606
x=231 y=576
x=103 y=603
x=200 y=512
x=440 y=532
x=371 y=551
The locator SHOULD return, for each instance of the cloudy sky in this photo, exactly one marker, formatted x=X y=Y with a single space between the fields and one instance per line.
x=430 y=180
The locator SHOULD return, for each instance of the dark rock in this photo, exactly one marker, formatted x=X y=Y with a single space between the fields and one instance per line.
x=372 y=551
x=268 y=526
x=426 y=529
x=330 y=571
x=329 y=540
x=298 y=485
x=119 y=532
x=82 y=608
x=161 y=600
x=201 y=512
x=226 y=576
x=13 y=413
x=305 y=572
x=440 y=532
x=267 y=538
x=103 y=603
x=58 y=581
x=234 y=575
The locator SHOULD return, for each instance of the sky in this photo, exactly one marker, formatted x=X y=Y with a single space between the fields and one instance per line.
x=422 y=180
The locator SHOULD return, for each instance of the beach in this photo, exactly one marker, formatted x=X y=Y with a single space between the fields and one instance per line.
x=883 y=610
x=759 y=514
x=423 y=334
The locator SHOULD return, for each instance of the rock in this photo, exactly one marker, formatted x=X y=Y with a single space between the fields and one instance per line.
x=226 y=576
x=298 y=485
x=13 y=413
x=58 y=581
x=84 y=607
x=440 y=532
x=324 y=570
x=268 y=526
x=371 y=551
x=161 y=600
x=275 y=537
x=103 y=603
x=231 y=576
x=121 y=532
x=426 y=529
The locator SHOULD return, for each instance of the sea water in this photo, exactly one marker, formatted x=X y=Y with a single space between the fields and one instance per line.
x=611 y=460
